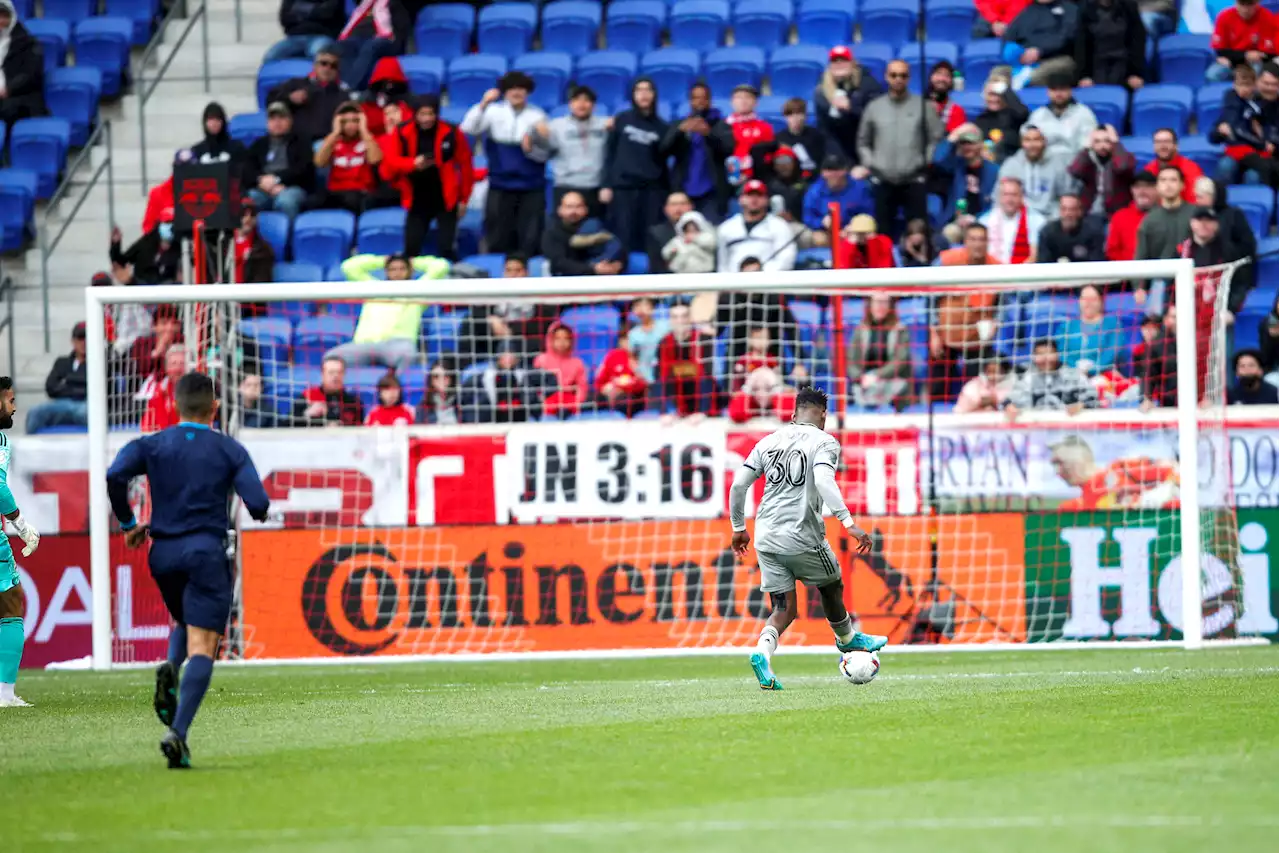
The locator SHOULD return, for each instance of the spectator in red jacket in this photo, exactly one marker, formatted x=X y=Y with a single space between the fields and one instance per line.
x=620 y=385
x=863 y=248
x=942 y=82
x=147 y=354
x=569 y=370
x=1243 y=34
x=329 y=402
x=162 y=407
x=429 y=162
x=387 y=86
x=762 y=396
x=391 y=409
x=352 y=155
x=254 y=258
x=994 y=17
x=1165 y=143
x=749 y=130
x=1122 y=232
x=684 y=366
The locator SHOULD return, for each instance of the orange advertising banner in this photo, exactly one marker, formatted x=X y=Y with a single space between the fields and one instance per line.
x=632 y=585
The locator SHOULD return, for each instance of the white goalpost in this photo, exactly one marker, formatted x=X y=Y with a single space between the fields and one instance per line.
x=366 y=559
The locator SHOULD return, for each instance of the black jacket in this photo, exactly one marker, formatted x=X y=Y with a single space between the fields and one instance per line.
x=811 y=142
x=655 y=238
x=68 y=380
x=24 y=72
x=312 y=119
x=151 y=265
x=1050 y=28
x=1087 y=243
x=1119 y=25
x=566 y=259
x=300 y=172
x=842 y=128
x=719 y=141
x=219 y=148
x=633 y=155
x=312 y=17
x=1005 y=126
x=1220 y=250
x=1234 y=226
x=1268 y=345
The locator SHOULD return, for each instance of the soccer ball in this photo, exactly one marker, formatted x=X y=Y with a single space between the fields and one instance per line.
x=859 y=667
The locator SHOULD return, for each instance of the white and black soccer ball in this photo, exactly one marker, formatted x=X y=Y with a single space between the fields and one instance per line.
x=859 y=667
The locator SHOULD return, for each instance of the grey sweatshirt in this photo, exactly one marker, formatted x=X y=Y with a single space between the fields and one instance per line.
x=1162 y=230
x=576 y=151
x=889 y=137
x=1043 y=182
x=1064 y=387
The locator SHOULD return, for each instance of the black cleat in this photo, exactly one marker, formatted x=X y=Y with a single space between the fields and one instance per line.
x=175 y=749
x=166 y=699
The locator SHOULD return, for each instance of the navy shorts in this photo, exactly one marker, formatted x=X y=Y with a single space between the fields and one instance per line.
x=194 y=577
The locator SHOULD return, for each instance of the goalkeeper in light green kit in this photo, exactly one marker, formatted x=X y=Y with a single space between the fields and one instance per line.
x=13 y=602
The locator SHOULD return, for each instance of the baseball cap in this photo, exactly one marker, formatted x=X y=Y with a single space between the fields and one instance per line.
x=754 y=187
x=1205 y=213
x=834 y=161
x=77 y=331
x=278 y=108
x=1145 y=178
x=863 y=223
x=784 y=151
x=840 y=51
x=969 y=136
x=100 y=279
x=746 y=87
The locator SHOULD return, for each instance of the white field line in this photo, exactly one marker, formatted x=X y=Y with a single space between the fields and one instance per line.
x=607 y=829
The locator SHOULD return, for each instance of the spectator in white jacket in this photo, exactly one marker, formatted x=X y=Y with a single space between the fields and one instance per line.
x=693 y=249
x=1065 y=123
x=516 y=206
x=756 y=233
x=1043 y=175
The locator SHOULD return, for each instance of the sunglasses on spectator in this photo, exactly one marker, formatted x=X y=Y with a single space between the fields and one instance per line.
x=327 y=63
x=897 y=75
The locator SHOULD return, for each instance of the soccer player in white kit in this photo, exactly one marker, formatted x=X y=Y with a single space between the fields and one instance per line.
x=798 y=463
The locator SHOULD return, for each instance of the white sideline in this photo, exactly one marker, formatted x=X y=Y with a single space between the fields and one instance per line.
x=715 y=651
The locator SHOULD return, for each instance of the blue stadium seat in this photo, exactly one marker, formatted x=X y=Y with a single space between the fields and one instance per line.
x=634 y=25
x=601 y=318
x=314 y=336
x=673 y=69
x=142 y=15
x=1109 y=103
x=69 y=10
x=445 y=29
x=825 y=22
x=770 y=109
x=506 y=29
x=17 y=202
x=272 y=74
x=1161 y=105
x=761 y=23
x=72 y=93
x=274 y=228
x=727 y=67
x=323 y=237
x=570 y=26
x=104 y=43
x=949 y=18
x=492 y=263
x=54 y=34
x=1209 y=104
x=469 y=232
x=637 y=263
x=1201 y=151
x=698 y=24
x=471 y=76
x=273 y=331
x=26 y=9
x=550 y=72
x=363 y=382
x=246 y=127
x=40 y=145
x=890 y=21
x=609 y=73
x=934 y=51
x=299 y=272
x=873 y=57
x=1034 y=97
x=971 y=101
x=1258 y=204
x=979 y=58
x=1140 y=147
x=1183 y=58
x=440 y=332
x=795 y=69
x=380 y=231
x=424 y=73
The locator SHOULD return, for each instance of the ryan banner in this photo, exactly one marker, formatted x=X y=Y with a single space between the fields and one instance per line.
x=643 y=584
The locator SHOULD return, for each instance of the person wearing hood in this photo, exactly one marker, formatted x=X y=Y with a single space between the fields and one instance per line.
x=636 y=180
x=1105 y=171
x=700 y=144
x=577 y=244
x=787 y=186
x=314 y=98
x=1043 y=175
x=1065 y=122
x=429 y=161
x=834 y=187
x=218 y=146
x=1249 y=389
x=1002 y=115
x=351 y=155
x=154 y=258
x=1040 y=42
x=309 y=27
x=387 y=85
x=1234 y=227
x=575 y=146
x=840 y=98
x=279 y=170
x=693 y=249
x=21 y=70
x=570 y=373
x=516 y=205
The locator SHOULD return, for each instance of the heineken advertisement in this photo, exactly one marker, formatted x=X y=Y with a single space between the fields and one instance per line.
x=1100 y=575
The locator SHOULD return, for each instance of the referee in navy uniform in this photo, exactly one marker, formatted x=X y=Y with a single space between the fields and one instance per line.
x=191 y=471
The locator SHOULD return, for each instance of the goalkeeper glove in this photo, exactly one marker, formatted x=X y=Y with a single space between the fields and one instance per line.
x=27 y=533
x=260 y=515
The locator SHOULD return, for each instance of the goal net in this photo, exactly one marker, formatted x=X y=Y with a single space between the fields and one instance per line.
x=1037 y=454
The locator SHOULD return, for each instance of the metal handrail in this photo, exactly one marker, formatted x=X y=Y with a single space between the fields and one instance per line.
x=47 y=245
x=7 y=287
x=144 y=91
x=239 y=23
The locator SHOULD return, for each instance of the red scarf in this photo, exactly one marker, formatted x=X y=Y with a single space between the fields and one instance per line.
x=1021 y=246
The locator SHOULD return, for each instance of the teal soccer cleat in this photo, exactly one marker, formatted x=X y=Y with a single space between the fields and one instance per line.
x=175 y=750
x=166 y=698
x=861 y=642
x=764 y=672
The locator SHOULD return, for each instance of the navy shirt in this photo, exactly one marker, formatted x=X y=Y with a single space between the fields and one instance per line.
x=191 y=471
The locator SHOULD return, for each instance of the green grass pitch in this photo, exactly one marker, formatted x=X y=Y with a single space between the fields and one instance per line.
x=1045 y=752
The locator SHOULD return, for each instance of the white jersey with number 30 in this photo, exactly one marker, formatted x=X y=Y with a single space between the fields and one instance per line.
x=789 y=518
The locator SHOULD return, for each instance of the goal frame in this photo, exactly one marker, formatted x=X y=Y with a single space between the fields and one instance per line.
x=1180 y=271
